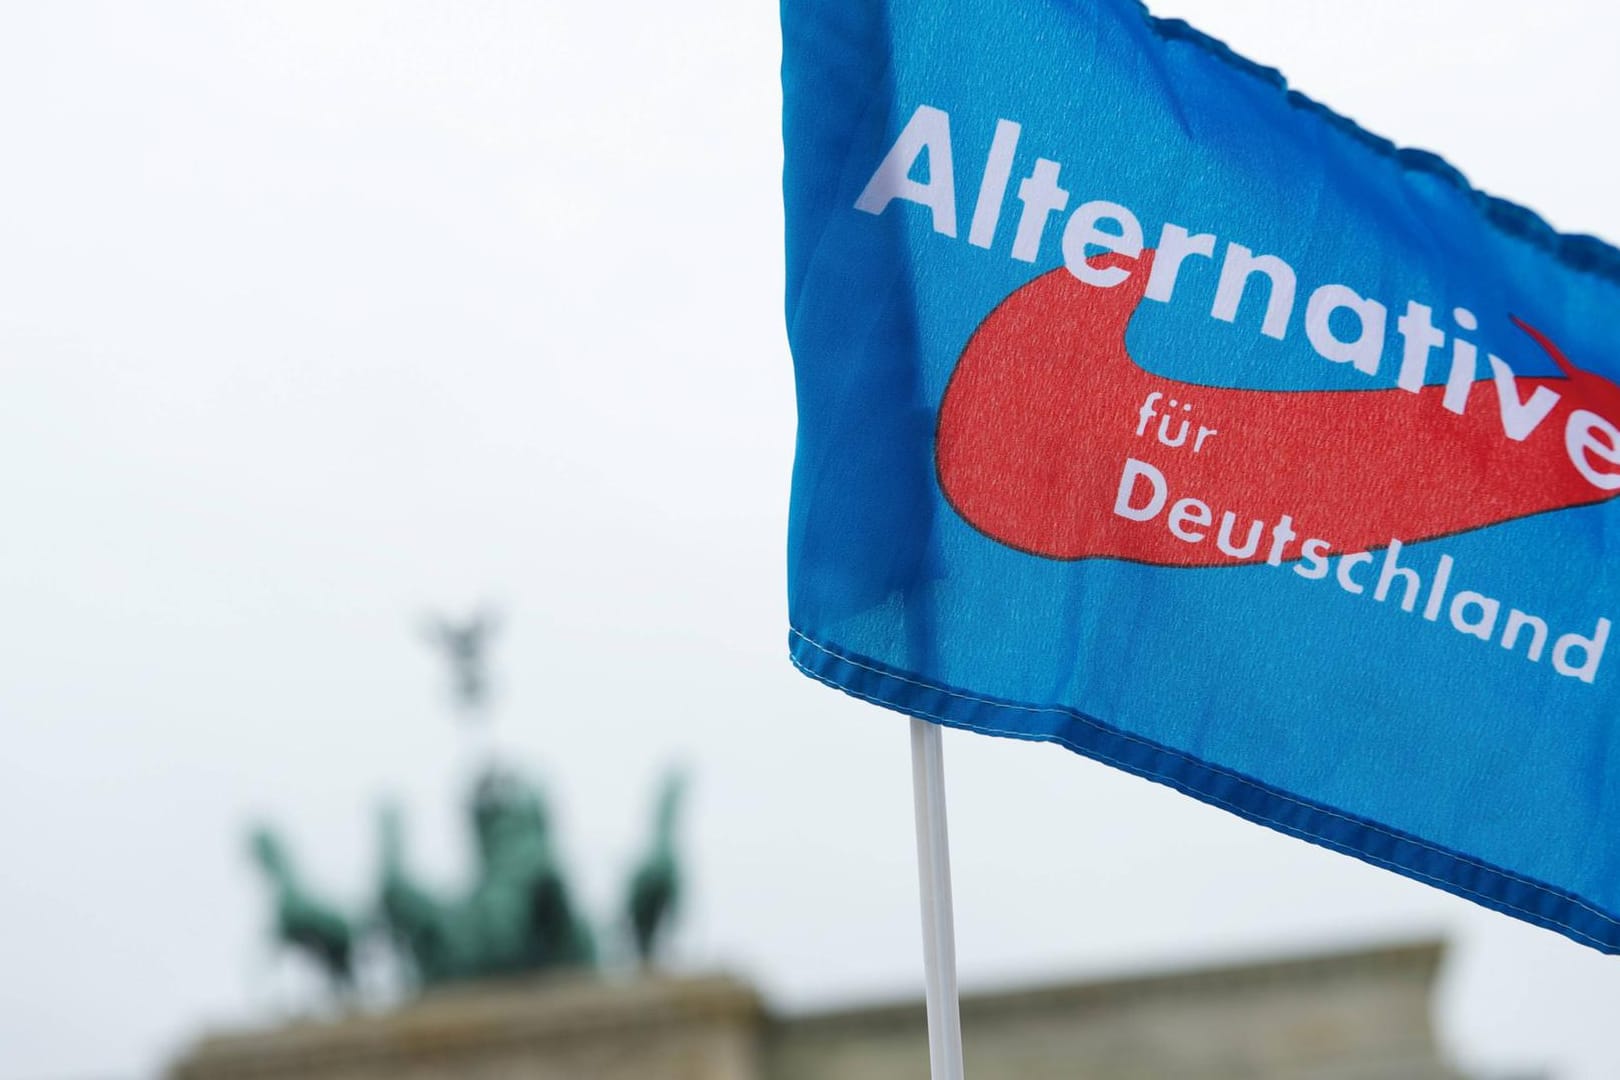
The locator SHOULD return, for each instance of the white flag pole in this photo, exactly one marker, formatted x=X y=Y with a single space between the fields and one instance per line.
x=934 y=880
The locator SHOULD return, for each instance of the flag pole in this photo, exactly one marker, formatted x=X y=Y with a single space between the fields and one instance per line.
x=934 y=881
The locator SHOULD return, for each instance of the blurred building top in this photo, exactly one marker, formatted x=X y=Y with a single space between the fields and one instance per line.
x=1362 y=1015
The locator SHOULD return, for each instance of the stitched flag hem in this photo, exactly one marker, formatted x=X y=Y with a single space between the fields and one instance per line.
x=1472 y=879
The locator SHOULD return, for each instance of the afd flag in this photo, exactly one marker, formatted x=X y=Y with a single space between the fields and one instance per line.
x=1150 y=408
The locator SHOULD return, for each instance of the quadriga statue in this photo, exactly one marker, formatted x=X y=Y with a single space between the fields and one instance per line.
x=517 y=916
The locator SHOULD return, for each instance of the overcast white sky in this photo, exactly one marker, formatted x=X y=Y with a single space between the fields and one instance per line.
x=314 y=316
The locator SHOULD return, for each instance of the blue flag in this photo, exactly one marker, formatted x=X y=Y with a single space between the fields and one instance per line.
x=1150 y=408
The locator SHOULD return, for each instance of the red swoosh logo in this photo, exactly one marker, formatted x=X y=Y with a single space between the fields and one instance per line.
x=1043 y=412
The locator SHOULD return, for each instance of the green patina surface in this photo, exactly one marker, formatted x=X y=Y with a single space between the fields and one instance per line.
x=517 y=915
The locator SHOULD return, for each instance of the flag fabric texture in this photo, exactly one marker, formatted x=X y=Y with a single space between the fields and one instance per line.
x=1150 y=408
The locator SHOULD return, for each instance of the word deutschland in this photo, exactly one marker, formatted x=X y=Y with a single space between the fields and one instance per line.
x=1144 y=494
x=1590 y=439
